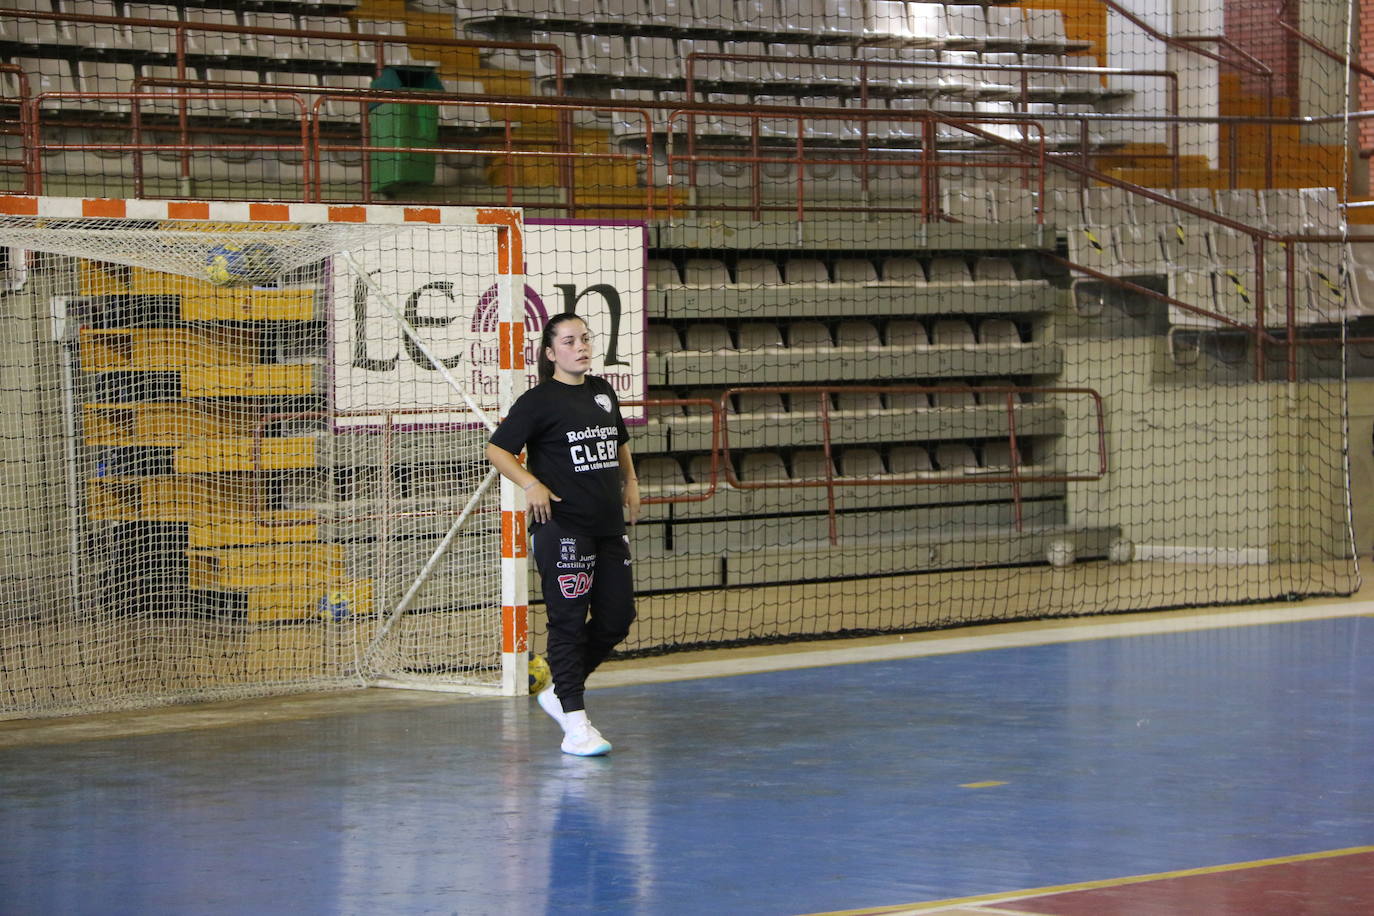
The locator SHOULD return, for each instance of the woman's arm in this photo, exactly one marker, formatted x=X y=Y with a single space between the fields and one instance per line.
x=629 y=483
x=537 y=496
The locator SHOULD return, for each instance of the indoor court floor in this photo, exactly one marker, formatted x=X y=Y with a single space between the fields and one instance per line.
x=1207 y=762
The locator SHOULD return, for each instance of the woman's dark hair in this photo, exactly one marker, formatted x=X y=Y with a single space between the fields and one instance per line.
x=546 y=340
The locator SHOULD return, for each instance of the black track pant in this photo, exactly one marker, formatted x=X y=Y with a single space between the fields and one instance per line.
x=589 y=595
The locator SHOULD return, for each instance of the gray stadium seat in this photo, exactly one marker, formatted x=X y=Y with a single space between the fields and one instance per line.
x=805 y=270
x=1109 y=206
x=277 y=48
x=92 y=35
x=759 y=335
x=209 y=43
x=671 y=13
x=663 y=274
x=997 y=454
x=335 y=51
x=946 y=269
x=1005 y=27
x=1186 y=246
x=1094 y=247
x=812 y=464
x=1231 y=248
x=856 y=333
x=861 y=462
x=150 y=40
x=907 y=332
x=908 y=459
x=760 y=402
x=1321 y=211
x=705 y=272
x=907 y=400
x=1283 y=209
x=960 y=397
x=709 y=394
x=1240 y=204
x=665 y=410
x=998 y=331
x=663 y=338
x=965 y=27
x=1013 y=204
x=106 y=76
x=660 y=471
x=1045 y=28
x=758 y=466
x=890 y=21
x=994 y=269
x=904 y=270
x=708 y=336
x=545 y=63
x=953 y=332
x=858 y=400
x=957 y=457
x=810 y=334
x=968 y=204
x=1194 y=287
x=1139 y=249
x=603 y=55
x=699 y=470
x=855 y=270
x=757 y=272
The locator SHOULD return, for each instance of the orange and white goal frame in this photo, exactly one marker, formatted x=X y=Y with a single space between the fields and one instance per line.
x=508 y=225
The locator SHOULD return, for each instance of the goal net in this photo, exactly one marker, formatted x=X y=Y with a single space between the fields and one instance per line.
x=243 y=451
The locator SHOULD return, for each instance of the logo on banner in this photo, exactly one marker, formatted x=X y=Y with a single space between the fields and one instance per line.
x=485 y=319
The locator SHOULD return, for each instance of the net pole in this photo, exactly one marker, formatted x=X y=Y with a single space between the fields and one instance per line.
x=514 y=560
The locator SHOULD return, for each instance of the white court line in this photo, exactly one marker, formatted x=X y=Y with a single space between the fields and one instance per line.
x=924 y=644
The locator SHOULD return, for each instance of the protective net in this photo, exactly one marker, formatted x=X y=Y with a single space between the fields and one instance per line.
x=954 y=313
x=266 y=483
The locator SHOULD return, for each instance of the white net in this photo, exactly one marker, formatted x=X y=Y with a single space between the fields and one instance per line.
x=246 y=458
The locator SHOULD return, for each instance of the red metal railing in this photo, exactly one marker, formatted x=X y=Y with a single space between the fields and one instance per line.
x=1015 y=478
x=19 y=127
x=720 y=455
x=379 y=43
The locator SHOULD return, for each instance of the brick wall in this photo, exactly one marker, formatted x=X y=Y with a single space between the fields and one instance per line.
x=1252 y=26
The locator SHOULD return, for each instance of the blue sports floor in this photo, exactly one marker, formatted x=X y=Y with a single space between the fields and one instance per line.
x=937 y=782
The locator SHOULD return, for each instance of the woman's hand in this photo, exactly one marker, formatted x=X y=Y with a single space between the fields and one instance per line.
x=539 y=501
x=632 y=500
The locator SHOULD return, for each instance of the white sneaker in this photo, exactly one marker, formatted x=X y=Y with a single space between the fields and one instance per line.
x=585 y=742
x=548 y=701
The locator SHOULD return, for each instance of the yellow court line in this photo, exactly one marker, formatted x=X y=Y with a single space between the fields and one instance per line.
x=1008 y=896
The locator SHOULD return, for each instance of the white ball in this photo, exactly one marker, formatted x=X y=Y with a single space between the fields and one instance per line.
x=1060 y=552
x=1121 y=551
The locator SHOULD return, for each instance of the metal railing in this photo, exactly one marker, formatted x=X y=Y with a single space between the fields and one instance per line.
x=1010 y=397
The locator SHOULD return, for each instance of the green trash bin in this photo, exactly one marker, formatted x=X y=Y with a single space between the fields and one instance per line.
x=397 y=124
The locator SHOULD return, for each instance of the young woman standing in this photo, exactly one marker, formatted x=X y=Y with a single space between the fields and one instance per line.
x=580 y=486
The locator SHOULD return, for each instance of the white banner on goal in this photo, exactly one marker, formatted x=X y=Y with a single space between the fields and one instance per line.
x=594 y=269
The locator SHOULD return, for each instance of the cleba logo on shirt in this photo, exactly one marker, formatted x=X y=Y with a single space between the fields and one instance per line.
x=604 y=402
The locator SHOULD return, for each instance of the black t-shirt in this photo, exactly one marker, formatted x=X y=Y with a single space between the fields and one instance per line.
x=573 y=434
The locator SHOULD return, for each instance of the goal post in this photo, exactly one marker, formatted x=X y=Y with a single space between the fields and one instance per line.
x=251 y=459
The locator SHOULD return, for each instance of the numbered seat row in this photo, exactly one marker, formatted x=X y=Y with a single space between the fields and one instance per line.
x=902 y=332
x=935 y=25
x=902 y=270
